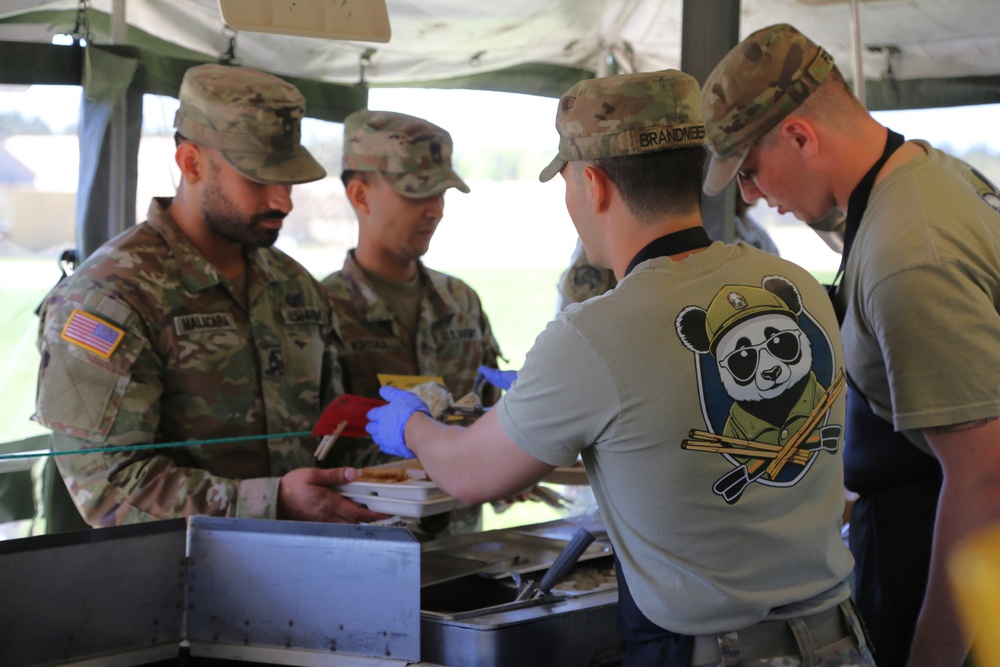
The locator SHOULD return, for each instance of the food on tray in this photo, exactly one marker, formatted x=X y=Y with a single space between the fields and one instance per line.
x=383 y=475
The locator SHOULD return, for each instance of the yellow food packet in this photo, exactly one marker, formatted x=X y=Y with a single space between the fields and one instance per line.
x=407 y=381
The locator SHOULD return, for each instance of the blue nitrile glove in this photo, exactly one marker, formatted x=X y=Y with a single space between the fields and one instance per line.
x=387 y=423
x=497 y=377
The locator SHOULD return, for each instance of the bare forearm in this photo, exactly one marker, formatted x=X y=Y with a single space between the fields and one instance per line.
x=969 y=502
x=939 y=640
x=442 y=454
x=474 y=464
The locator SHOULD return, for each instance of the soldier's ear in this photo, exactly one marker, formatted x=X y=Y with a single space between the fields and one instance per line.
x=191 y=161
x=358 y=193
x=597 y=187
x=801 y=135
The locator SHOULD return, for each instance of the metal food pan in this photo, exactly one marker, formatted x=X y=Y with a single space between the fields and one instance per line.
x=508 y=552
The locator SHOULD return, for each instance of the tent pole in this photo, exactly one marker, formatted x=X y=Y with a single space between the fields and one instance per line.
x=603 y=56
x=699 y=56
x=117 y=177
x=856 y=51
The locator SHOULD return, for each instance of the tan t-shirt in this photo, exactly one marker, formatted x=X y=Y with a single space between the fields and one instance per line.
x=618 y=380
x=921 y=292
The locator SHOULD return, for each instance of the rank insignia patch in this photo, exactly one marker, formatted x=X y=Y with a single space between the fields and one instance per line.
x=92 y=333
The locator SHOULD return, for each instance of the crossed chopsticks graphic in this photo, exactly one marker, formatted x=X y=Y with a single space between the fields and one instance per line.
x=731 y=485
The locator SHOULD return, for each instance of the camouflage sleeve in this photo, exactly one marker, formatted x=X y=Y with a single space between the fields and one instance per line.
x=112 y=489
x=90 y=400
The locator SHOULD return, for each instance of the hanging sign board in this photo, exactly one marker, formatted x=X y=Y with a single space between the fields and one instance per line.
x=353 y=20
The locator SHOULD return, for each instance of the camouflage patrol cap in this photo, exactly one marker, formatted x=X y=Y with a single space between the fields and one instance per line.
x=736 y=303
x=252 y=118
x=759 y=82
x=628 y=114
x=412 y=154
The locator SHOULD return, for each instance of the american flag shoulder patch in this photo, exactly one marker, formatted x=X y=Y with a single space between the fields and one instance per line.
x=92 y=333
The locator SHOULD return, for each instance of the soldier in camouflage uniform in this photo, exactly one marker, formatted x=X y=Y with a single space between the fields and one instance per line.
x=396 y=315
x=191 y=326
x=920 y=320
x=627 y=379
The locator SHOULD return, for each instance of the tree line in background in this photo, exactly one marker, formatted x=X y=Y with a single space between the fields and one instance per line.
x=13 y=123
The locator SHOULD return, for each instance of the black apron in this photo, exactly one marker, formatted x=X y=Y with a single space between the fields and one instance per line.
x=892 y=522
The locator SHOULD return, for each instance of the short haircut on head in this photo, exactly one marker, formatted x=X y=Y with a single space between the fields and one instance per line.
x=662 y=183
x=832 y=102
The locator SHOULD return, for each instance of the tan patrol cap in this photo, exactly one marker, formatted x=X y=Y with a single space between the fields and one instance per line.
x=252 y=118
x=412 y=154
x=628 y=114
x=757 y=84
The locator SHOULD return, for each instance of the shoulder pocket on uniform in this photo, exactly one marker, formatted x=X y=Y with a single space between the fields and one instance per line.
x=79 y=392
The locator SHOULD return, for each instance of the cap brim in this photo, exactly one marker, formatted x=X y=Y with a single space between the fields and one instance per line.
x=273 y=169
x=439 y=179
x=722 y=171
x=550 y=171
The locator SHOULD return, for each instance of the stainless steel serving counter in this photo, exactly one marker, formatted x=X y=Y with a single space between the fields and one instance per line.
x=291 y=593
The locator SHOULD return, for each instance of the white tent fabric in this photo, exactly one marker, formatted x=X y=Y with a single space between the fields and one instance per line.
x=435 y=40
x=917 y=53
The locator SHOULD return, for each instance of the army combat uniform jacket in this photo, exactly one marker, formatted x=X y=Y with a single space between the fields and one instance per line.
x=453 y=336
x=146 y=343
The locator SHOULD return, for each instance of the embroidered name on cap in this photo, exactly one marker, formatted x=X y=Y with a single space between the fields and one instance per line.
x=92 y=333
x=185 y=324
x=660 y=137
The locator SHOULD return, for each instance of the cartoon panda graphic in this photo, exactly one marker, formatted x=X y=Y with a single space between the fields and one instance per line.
x=766 y=382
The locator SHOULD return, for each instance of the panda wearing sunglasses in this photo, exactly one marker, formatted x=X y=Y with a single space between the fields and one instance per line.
x=765 y=366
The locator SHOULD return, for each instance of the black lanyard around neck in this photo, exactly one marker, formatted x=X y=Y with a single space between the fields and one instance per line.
x=857 y=204
x=685 y=240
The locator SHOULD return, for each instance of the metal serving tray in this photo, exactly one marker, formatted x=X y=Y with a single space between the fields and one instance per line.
x=508 y=551
x=558 y=632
